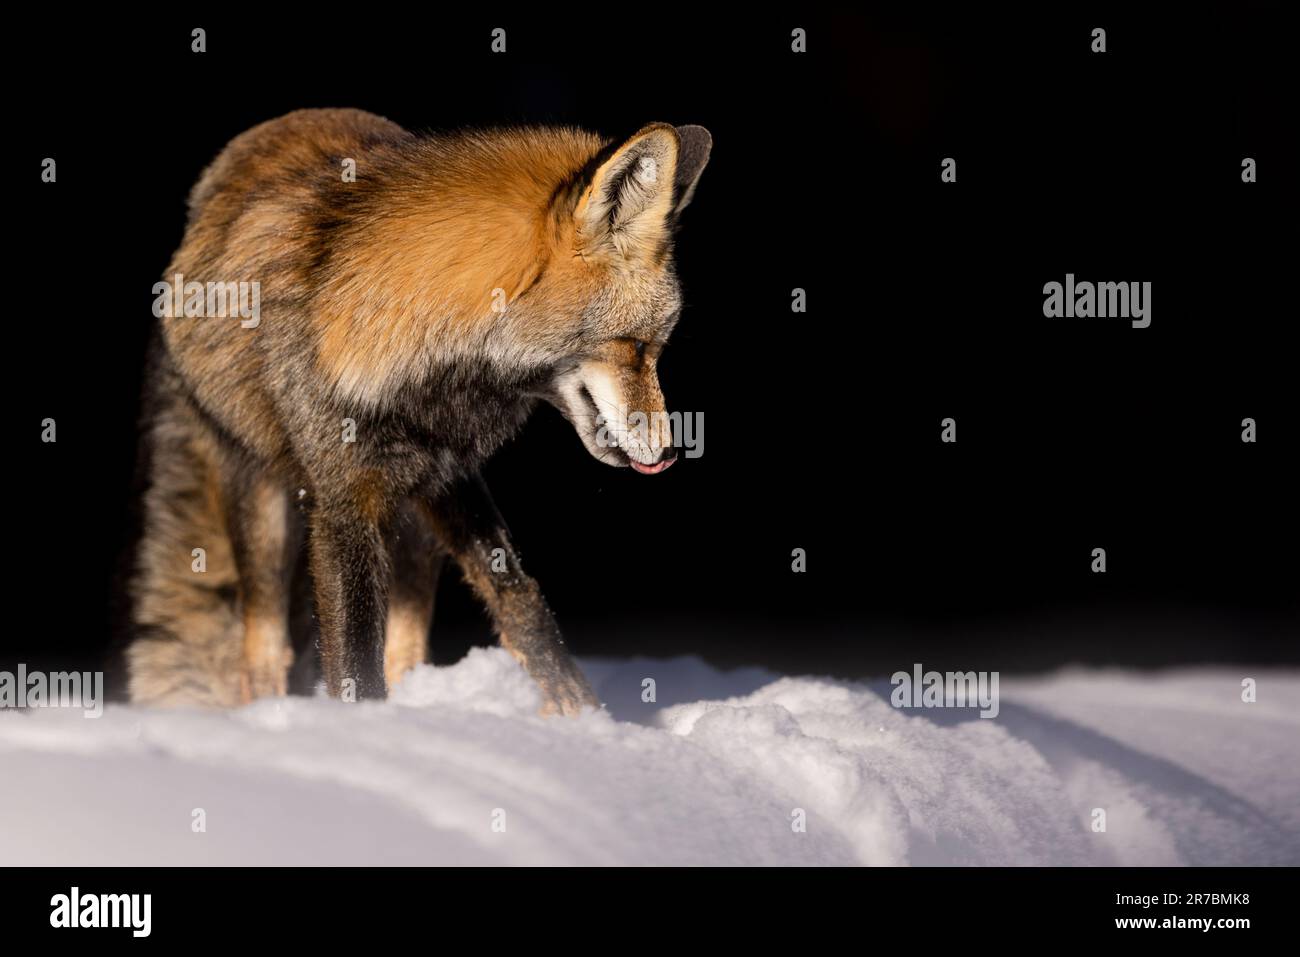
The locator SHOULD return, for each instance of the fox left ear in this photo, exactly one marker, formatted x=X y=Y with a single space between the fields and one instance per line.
x=632 y=195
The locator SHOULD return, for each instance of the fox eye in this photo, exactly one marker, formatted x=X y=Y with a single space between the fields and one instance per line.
x=640 y=348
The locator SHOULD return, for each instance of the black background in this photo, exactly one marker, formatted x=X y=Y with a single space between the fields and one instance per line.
x=1009 y=904
x=821 y=429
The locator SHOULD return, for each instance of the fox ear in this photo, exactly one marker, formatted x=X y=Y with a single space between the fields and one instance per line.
x=626 y=207
x=692 y=156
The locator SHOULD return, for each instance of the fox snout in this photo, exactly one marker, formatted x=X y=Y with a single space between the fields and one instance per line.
x=619 y=413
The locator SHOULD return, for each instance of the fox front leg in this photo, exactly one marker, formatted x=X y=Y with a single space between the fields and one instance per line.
x=470 y=527
x=350 y=575
x=417 y=559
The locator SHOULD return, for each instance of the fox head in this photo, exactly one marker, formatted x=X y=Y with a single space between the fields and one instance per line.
x=544 y=253
x=610 y=278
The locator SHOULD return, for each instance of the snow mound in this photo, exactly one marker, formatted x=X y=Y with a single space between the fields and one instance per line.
x=740 y=767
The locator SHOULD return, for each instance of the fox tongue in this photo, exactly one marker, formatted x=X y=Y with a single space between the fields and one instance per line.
x=651 y=469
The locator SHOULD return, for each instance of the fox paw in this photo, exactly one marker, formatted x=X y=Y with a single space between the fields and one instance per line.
x=265 y=678
x=567 y=694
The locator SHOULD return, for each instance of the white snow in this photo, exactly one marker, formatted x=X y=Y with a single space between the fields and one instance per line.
x=459 y=769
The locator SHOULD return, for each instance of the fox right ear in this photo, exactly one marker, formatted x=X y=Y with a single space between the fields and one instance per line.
x=692 y=157
x=625 y=208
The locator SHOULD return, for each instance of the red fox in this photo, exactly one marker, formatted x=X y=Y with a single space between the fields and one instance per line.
x=416 y=297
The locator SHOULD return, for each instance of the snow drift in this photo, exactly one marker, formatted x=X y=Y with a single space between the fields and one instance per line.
x=458 y=769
